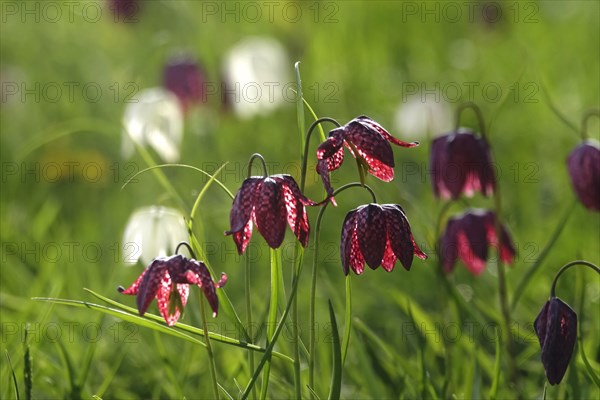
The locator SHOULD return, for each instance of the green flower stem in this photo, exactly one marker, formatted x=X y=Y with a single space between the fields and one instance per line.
x=590 y=113
x=307 y=143
x=348 y=321
x=503 y=292
x=249 y=317
x=566 y=267
x=298 y=259
x=262 y=161
x=524 y=282
x=211 y=357
x=271 y=344
x=272 y=317
x=313 y=289
x=469 y=104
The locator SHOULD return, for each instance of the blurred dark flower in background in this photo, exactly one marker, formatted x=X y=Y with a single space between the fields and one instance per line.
x=461 y=163
x=167 y=279
x=368 y=141
x=185 y=77
x=269 y=202
x=124 y=10
x=468 y=236
x=556 y=329
x=378 y=235
x=584 y=169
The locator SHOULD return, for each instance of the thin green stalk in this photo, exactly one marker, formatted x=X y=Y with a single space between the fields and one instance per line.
x=524 y=282
x=313 y=288
x=307 y=143
x=271 y=345
x=348 y=321
x=211 y=357
x=249 y=317
x=503 y=293
x=272 y=317
x=566 y=267
x=298 y=259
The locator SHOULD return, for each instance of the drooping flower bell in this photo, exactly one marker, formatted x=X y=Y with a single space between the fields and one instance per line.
x=584 y=170
x=461 y=163
x=269 y=202
x=167 y=279
x=556 y=329
x=378 y=234
x=368 y=141
x=184 y=77
x=468 y=236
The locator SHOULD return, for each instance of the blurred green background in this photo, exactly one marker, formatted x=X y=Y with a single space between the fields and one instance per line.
x=386 y=59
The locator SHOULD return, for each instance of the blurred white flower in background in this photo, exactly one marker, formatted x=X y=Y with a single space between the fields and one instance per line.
x=256 y=73
x=152 y=232
x=421 y=114
x=155 y=119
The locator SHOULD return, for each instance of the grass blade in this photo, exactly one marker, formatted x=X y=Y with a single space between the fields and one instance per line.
x=336 y=375
x=14 y=376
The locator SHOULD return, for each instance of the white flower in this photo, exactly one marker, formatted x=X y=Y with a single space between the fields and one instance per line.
x=256 y=76
x=152 y=232
x=419 y=115
x=155 y=119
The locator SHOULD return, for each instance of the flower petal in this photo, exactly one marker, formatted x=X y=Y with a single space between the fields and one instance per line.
x=389 y=258
x=371 y=146
x=296 y=216
x=242 y=206
x=348 y=228
x=449 y=246
x=375 y=126
x=153 y=279
x=584 y=169
x=400 y=236
x=371 y=233
x=198 y=274
x=556 y=328
x=270 y=211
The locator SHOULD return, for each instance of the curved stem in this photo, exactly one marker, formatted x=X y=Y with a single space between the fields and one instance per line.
x=211 y=357
x=589 y=113
x=262 y=161
x=185 y=244
x=313 y=286
x=566 y=267
x=272 y=316
x=306 y=144
x=478 y=113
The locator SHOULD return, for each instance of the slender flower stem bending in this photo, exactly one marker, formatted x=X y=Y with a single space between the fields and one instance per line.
x=262 y=161
x=477 y=110
x=313 y=288
x=306 y=144
x=566 y=267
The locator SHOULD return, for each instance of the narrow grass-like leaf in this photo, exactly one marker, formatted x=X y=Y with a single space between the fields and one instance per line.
x=336 y=375
x=142 y=321
x=13 y=375
x=496 y=381
x=190 y=329
x=312 y=391
x=230 y=397
x=69 y=367
x=348 y=319
x=272 y=317
x=300 y=107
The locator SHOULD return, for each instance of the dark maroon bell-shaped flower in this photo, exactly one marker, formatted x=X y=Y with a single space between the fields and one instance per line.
x=167 y=279
x=378 y=234
x=468 y=236
x=461 y=163
x=365 y=139
x=584 y=169
x=556 y=329
x=269 y=202
x=185 y=78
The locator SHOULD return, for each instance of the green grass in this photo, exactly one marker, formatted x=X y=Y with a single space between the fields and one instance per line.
x=62 y=235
